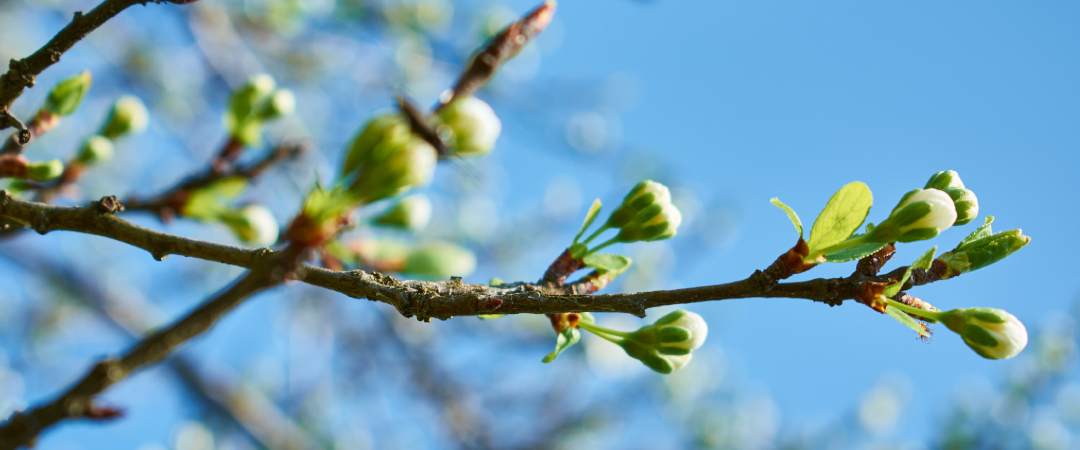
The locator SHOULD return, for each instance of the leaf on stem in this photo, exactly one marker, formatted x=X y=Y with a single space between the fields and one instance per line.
x=853 y=253
x=594 y=211
x=566 y=339
x=790 y=213
x=923 y=262
x=908 y=321
x=845 y=213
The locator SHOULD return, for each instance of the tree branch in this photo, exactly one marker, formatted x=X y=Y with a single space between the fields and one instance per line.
x=78 y=402
x=21 y=73
x=443 y=300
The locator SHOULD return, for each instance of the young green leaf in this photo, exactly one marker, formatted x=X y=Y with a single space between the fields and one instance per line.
x=907 y=320
x=923 y=262
x=979 y=233
x=790 y=214
x=608 y=263
x=845 y=213
x=853 y=253
x=594 y=211
x=566 y=339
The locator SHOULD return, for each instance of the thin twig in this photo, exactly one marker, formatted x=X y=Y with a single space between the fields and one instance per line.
x=78 y=401
x=254 y=414
x=443 y=300
x=21 y=73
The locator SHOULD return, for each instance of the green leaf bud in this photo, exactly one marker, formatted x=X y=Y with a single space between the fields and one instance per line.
x=439 y=260
x=920 y=215
x=474 y=125
x=128 y=116
x=992 y=333
x=982 y=252
x=410 y=213
x=65 y=97
x=254 y=225
x=945 y=179
x=666 y=345
x=42 y=171
x=95 y=149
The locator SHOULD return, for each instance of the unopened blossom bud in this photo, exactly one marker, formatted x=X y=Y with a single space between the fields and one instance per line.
x=944 y=179
x=393 y=168
x=992 y=333
x=66 y=96
x=982 y=252
x=282 y=103
x=128 y=116
x=410 y=213
x=95 y=149
x=439 y=260
x=474 y=125
x=254 y=225
x=390 y=128
x=44 y=170
x=665 y=346
x=655 y=223
x=247 y=105
x=967 y=205
x=643 y=195
x=920 y=215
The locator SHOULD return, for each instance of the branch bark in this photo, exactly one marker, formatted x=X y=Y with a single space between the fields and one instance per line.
x=427 y=300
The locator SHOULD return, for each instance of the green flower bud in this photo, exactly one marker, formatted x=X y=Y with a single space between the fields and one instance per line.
x=643 y=195
x=410 y=213
x=982 y=252
x=243 y=114
x=281 y=104
x=666 y=345
x=95 y=149
x=474 y=125
x=655 y=223
x=992 y=333
x=440 y=260
x=920 y=215
x=65 y=97
x=391 y=128
x=945 y=179
x=967 y=205
x=254 y=225
x=128 y=116
x=394 y=167
x=44 y=170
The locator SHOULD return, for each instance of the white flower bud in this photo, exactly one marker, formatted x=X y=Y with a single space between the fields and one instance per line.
x=95 y=149
x=657 y=222
x=941 y=215
x=666 y=345
x=992 y=333
x=921 y=214
x=45 y=170
x=642 y=196
x=474 y=124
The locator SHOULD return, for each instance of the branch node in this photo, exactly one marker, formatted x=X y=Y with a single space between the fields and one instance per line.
x=41 y=223
x=109 y=205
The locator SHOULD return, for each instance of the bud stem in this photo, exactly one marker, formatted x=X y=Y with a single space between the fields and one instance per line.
x=594 y=235
x=613 y=240
x=930 y=316
x=606 y=333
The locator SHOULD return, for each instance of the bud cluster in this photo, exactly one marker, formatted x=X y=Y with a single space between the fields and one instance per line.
x=646 y=214
x=665 y=346
x=252 y=105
